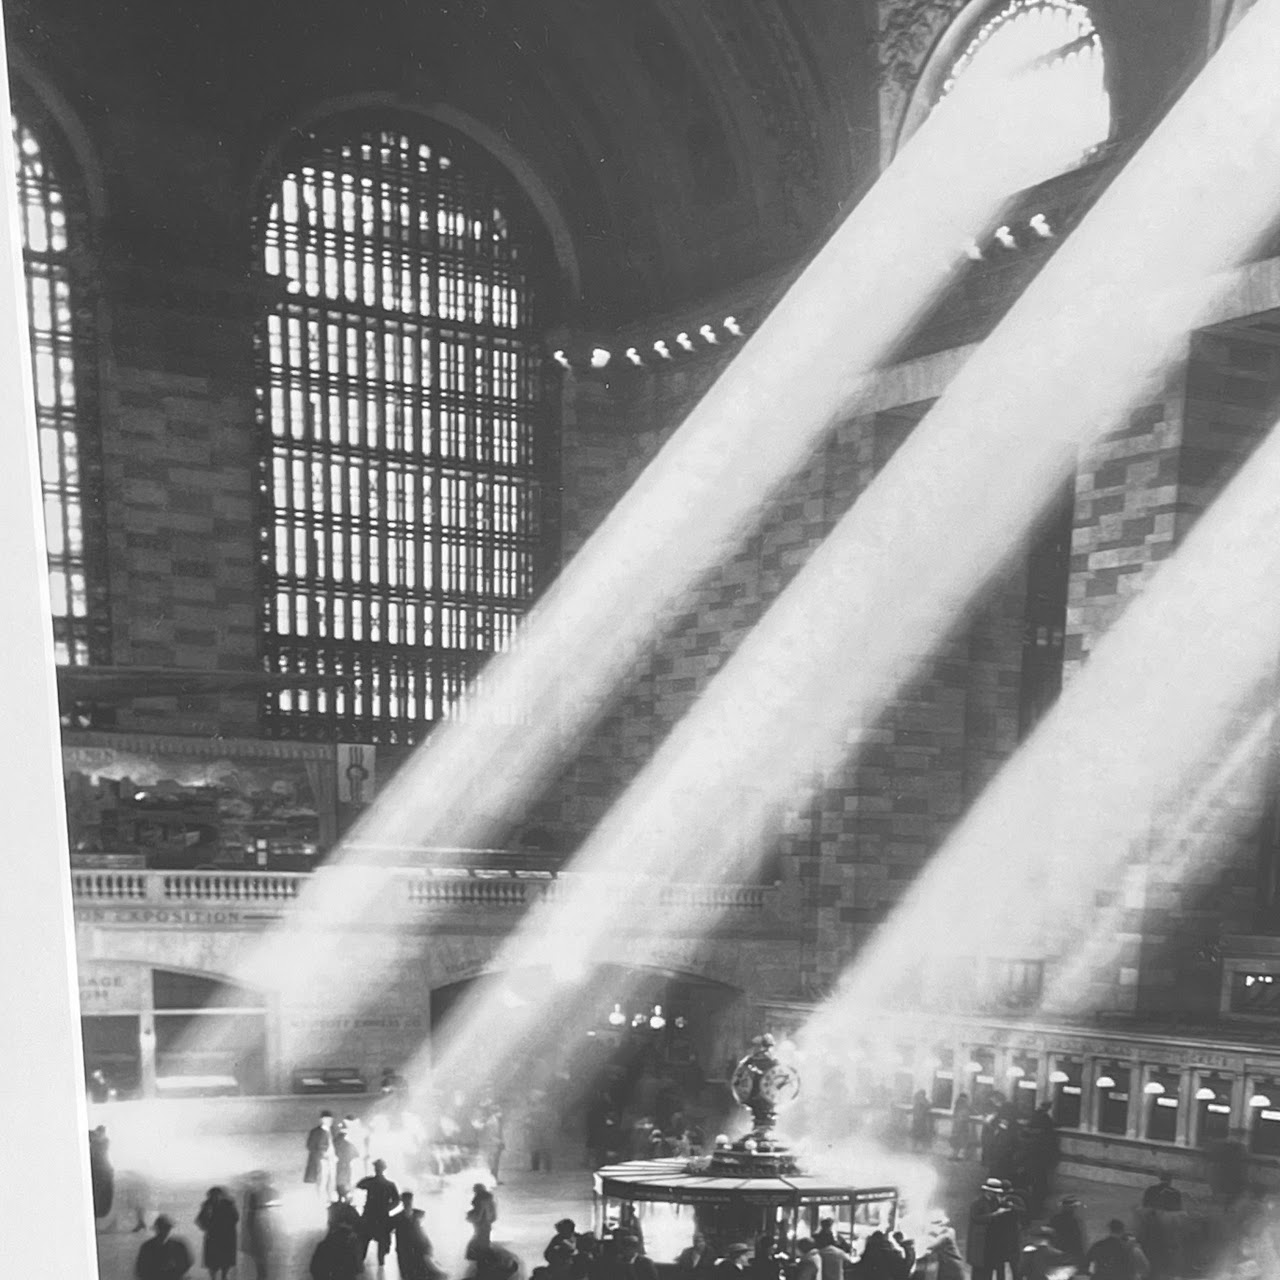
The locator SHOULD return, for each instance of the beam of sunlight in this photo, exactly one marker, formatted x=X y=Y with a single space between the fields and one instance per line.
x=1092 y=334
x=1196 y=836
x=1189 y=661
x=881 y=271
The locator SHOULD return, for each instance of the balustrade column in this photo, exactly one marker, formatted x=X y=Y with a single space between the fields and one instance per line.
x=1188 y=1108
x=1088 y=1094
x=1240 y=1095
x=1138 y=1076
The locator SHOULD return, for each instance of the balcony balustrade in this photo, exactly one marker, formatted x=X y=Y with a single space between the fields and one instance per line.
x=441 y=888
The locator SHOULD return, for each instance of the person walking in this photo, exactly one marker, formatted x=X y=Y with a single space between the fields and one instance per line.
x=347 y=1165
x=322 y=1161
x=733 y=1265
x=493 y=1143
x=102 y=1176
x=1067 y=1226
x=940 y=1258
x=340 y=1255
x=381 y=1198
x=217 y=1218
x=565 y=1239
x=989 y=1222
x=413 y=1248
x=698 y=1260
x=808 y=1265
x=921 y=1123
x=163 y=1256
x=1117 y=1256
x=482 y=1215
x=1040 y=1151
x=260 y=1224
x=961 y=1136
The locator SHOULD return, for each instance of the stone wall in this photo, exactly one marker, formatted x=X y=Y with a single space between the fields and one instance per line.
x=850 y=848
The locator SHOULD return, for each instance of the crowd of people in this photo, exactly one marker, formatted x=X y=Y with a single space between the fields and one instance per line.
x=1012 y=1231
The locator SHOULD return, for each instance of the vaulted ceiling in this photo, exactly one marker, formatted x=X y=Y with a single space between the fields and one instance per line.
x=688 y=146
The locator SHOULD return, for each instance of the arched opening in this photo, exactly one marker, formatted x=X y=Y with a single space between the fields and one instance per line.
x=645 y=1065
x=1053 y=41
x=408 y=459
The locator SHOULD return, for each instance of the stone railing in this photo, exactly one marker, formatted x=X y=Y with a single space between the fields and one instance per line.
x=440 y=889
x=186 y=886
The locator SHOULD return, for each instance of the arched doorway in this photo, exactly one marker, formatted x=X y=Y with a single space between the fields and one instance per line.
x=643 y=1051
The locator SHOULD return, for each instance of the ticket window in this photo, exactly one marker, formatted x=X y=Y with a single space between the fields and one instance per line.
x=1066 y=1092
x=1111 y=1089
x=1212 y=1109
x=1023 y=1087
x=982 y=1076
x=1264 y=1117
x=944 y=1079
x=1161 y=1105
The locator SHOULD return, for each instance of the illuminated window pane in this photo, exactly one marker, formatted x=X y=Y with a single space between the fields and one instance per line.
x=62 y=364
x=1058 y=40
x=400 y=409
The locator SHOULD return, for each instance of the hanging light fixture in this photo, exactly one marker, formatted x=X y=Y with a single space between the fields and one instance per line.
x=1016 y=1072
x=1259 y=1100
x=656 y=1020
x=1205 y=1094
x=1106 y=1082
x=1059 y=1077
x=617 y=1017
x=1153 y=1087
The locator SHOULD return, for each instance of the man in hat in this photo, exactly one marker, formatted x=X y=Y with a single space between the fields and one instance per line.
x=990 y=1219
x=164 y=1256
x=1067 y=1226
x=564 y=1244
x=807 y=1268
x=1040 y=1260
x=381 y=1198
x=698 y=1259
x=1117 y=1256
x=322 y=1160
x=734 y=1263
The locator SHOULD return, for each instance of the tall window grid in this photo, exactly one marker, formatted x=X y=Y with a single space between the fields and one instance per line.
x=400 y=396
x=63 y=373
x=1058 y=39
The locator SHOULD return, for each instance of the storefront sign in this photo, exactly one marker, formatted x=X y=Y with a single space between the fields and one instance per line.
x=108 y=986
x=170 y=917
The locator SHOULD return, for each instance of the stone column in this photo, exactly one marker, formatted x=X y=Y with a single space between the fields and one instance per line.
x=42 y=1071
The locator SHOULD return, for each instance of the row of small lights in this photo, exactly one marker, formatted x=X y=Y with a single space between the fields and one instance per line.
x=1153 y=1087
x=601 y=356
x=1038 y=225
x=655 y=1019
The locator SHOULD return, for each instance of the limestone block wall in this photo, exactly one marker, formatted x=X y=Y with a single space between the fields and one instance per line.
x=851 y=847
x=1139 y=492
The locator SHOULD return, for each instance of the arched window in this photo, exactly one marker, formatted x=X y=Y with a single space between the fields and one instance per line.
x=63 y=357
x=405 y=427
x=1055 y=39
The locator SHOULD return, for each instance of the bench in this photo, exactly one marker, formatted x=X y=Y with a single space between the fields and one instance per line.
x=328 y=1080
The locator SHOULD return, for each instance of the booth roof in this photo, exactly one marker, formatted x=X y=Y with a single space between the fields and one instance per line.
x=674 y=1180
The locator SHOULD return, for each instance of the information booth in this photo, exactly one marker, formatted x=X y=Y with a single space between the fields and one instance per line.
x=743 y=1191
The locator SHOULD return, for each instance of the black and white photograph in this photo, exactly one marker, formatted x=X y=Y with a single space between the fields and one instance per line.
x=641 y=640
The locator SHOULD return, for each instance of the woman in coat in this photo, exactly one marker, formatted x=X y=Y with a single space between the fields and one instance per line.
x=217 y=1219
x=961 y=1137
x=482 y=1215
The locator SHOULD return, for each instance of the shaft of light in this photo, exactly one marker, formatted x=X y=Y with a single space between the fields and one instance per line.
x=1140 y=724
x=894 y=580
x=863 y=291
x=1193 y=837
